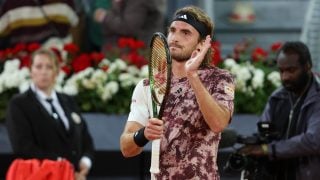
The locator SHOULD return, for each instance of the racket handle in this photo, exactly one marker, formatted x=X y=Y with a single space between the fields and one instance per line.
x=155 y=156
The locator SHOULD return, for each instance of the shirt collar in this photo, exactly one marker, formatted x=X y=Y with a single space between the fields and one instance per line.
x=41 y=95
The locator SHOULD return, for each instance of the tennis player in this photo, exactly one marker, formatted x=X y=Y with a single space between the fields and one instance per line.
x=198 y=107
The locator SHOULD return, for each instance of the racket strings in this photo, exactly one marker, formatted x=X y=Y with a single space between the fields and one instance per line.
x=159 y=68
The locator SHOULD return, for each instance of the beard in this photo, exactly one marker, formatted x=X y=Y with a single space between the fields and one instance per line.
x=183 y=54
x=297 y=85
x=180 y=57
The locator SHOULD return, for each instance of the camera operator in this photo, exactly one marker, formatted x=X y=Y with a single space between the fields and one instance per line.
x=294 y=110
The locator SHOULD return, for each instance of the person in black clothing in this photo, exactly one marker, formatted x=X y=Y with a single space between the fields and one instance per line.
x=294 y=113
x=45 y=124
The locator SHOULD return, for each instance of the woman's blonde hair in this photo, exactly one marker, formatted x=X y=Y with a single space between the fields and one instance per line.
x=52 y=56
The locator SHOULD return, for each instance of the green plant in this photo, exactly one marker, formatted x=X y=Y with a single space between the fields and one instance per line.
x=255 y=76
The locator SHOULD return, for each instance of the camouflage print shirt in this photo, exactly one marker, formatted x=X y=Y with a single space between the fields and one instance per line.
x=188 y=148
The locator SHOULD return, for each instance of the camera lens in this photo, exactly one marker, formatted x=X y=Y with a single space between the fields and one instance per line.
x=237 y=162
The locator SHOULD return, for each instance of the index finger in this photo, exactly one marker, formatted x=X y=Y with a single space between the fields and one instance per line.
x=156 y=121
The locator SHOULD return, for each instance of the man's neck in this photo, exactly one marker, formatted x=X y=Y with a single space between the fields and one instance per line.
x=178 y=69
x=301 y=91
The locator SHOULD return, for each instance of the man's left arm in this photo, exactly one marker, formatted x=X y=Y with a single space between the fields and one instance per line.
x=215 y=114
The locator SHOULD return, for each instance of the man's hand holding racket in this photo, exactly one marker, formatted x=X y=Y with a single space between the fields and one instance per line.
x=154 y=129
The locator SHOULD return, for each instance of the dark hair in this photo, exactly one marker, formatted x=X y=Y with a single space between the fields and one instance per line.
x=297 y=47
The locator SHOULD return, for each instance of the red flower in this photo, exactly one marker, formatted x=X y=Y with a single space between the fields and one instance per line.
x=71 y=48
x=216 y=55
x=131 y=43
x=66 y=69
x=137 y=44
x=57 y=53
x=96 y=57
x=25 y=61
x=105 y=68
x=123 y=42
x=276 y=46
x=240 y=49
x=81 y=62
x=259 y=54
x=3 y=55
x=18 y=48
x=8 y=53
x=33 y=47
x=136 y=59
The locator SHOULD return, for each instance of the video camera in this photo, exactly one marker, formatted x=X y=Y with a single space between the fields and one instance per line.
x=239 y=162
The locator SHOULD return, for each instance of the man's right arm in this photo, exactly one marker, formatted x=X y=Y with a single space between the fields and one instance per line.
x=135 y=136
x=127 y=145
x=140 y=129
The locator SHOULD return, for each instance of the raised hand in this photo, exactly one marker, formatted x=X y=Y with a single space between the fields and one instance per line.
x=197 y=57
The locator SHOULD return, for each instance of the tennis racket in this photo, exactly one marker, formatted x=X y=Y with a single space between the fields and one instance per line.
x=159 y=80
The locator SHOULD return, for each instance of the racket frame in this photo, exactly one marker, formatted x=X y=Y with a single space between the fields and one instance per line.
x=155 y=155
x=155 y=101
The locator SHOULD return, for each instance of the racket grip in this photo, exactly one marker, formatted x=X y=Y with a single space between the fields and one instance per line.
x=155 y=156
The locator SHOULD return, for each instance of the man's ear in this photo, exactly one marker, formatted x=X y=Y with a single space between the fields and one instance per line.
x=200 y=44
x=308 y=66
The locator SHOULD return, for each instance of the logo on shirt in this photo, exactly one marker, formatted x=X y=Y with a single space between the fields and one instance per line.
x=229 y=89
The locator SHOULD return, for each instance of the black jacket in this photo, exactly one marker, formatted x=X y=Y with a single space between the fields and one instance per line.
x=302 y=149
x=35 y=134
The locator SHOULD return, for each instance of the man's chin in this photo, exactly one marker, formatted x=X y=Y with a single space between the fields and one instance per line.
x=179 y=58
x=288 y=87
